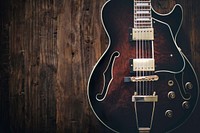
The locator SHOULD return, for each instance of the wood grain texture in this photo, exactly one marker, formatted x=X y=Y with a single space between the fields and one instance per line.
x=48 y=49
x=4 y=66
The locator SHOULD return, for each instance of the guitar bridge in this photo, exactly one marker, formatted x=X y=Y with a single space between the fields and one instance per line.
x=141 y=78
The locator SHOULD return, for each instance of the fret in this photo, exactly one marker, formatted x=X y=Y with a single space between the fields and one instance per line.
x=143 y=22
x=142 y=12
x=139 y=25
x=141 y=4
x=143 y=26
x=142 y=8
x=143 y=19
x=142 y=15
x=146 y=3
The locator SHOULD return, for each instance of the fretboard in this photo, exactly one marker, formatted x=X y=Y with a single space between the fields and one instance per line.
x=142 y=14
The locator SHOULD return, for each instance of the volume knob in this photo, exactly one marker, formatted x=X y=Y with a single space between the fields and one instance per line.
x=189 y=85
x=169 y=113
x=170 y=82
x=186 y=105
x=171 y=95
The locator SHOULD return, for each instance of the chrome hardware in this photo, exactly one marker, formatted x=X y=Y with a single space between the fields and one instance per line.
x=143 y=34
x=169 y=113
x=171 y=95
x=136 y=99
x=186 y=105
x=145 y=98
x=170 y=82
x=143 y=64
x=189 y=85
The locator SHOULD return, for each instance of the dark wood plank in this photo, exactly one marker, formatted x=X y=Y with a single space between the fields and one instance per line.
x=4 y=66
x=33 y=54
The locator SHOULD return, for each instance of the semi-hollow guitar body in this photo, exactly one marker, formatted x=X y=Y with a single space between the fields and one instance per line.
x=143 y=82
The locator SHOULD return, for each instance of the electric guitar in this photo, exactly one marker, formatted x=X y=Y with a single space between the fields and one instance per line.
x=143 y=82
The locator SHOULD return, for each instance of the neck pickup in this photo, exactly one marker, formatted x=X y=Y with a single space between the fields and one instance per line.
x=142 y=34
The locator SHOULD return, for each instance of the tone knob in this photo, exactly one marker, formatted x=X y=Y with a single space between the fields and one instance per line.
x=171 y=95
x=169 y=113
x=186 y=105
x=189 y=85
x=170 y=82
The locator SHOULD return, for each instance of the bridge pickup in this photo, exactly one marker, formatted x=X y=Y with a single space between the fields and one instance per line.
x=142 y=64
x=145 y=98
x=142 y=34
x=141 y=78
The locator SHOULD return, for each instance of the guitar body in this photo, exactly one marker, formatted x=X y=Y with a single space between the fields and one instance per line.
x=177 y=88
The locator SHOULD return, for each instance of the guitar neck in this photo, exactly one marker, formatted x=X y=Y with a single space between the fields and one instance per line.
x=142 y=14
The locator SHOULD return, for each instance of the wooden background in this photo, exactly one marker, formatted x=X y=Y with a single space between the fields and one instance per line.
x=47 y=51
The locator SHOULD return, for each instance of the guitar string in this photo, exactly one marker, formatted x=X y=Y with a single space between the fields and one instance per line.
x=148 y=50
x=142 y=50
x=140 y=56
x=143 y=43
x=142 y=46
x=140 y=92
x=148 y=71
x=152 y=49
x=139 y=48
x=136 y=45
x=146 y=25
x=149 y=43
